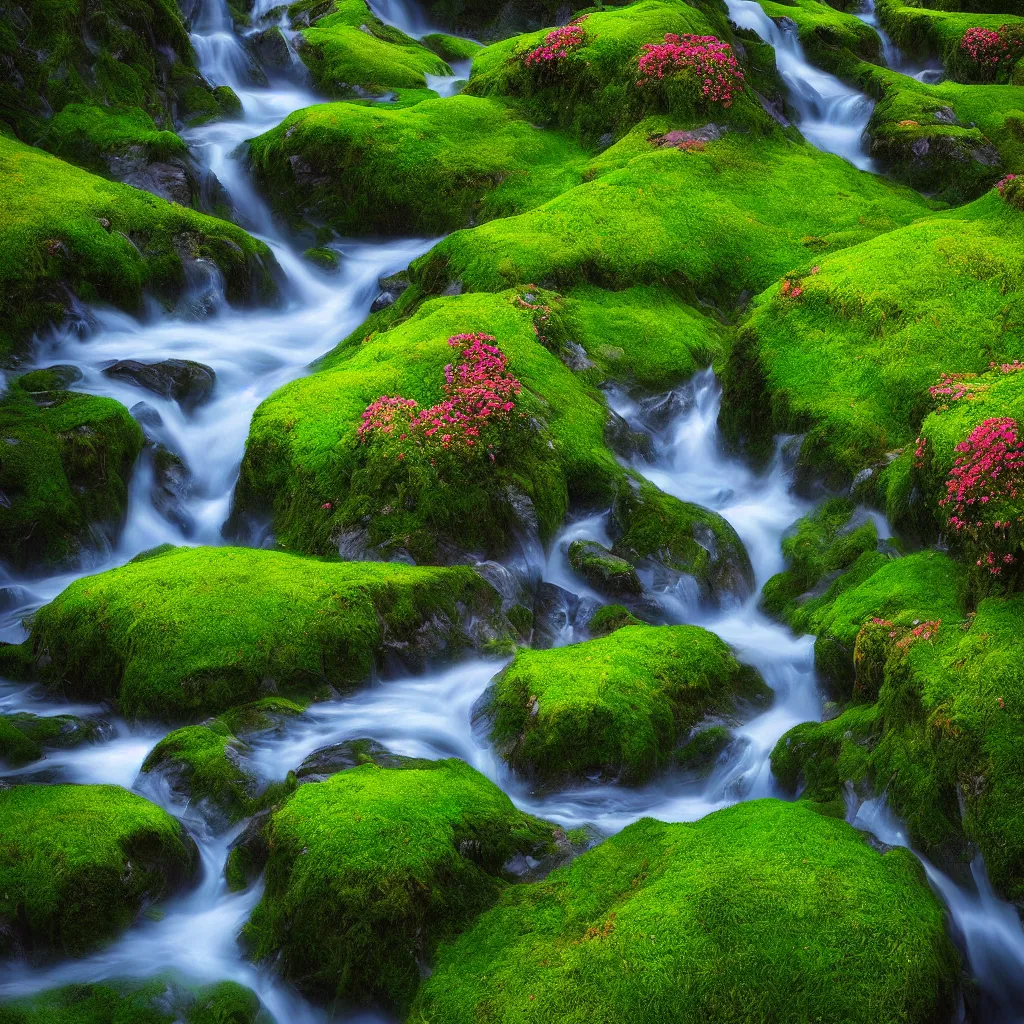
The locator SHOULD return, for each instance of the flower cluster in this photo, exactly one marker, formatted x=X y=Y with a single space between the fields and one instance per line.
x=791 y=289
x=710 y=61
x=988 y=472
x=557 y=45
x=1011 y=188
x=479 y=393
x=953 y=387
x=992 y=49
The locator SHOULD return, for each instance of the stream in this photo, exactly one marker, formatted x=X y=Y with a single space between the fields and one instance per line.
x=431 y=715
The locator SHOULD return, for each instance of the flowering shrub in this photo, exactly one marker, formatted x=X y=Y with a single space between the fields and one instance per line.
x=557 y=45
x=1011 y=188
x=705 y=58
x=478 y=408
x=791 y=289
x=987 y=475
x=953 y=387
x=992 y=49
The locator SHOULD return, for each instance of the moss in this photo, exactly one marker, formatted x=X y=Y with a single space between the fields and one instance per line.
x=828 y=36
x=702 y=749
x=823 y=544
x=65 y=463
x=161 y=1001
x=77 y=863
x=370 y=869
x=610 y=618
x=65 y=229
x=325 y=259
x=655 y=527
x=164 y=647
x=450 y=48
x=850 y=360
x=616 y=706
x=260 y=715
x=349 y=51
x=24 y=737
x=303 y=460
x=601 y=569
x=765 y=911
x=739 y=229
x=425 y=169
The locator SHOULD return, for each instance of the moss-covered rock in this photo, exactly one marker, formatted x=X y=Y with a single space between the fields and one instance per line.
x=24 y=736
x=425 y=169
x=451 y=48
x=616 y=706
x=66 y=231
x=77 y=863
x=370 y=869
x=765 y=911
x=703 y=748
x=193 y=631
x=351 y=53
x=610 y=618
x=65 y=462
x=938 y=723
x=849 y=360
x=602 y=570
x=161 y=1001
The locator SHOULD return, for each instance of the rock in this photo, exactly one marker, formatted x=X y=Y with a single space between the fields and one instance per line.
x=147 y=417
x=557 y=613
x=624 y=440
x=24 y=737
x=324 y=258
x=187 y=382
x=328 y=761
x=604 y=571
x=271 y=48
x=695 y=138
x=53 y=378
x=171 y=482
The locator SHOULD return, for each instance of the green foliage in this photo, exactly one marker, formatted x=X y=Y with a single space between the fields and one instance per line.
x=64 y=468
x=373 y=867
x=77 y=863
x=64 y=228
x=618 y=705
x=195 y=631
x=762 y=912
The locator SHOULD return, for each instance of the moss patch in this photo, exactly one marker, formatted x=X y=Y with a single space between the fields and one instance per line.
x=24 y=737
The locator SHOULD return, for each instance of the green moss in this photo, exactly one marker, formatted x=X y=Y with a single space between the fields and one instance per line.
x=827 y=35
x=349 y=50
x=65 y=461
x=161 y=1001
x=304 y=462
x=762 y=912
x=739 y=229
x=425 y=169
x=370 y=869
x=451 y=48
x=610 y=618
x=64 y=228
x=260 y=715
x=849 y=361
x=823 y=544
x=616 y=706
x=24 y=737
x=601 y=569
x=169 y=638
x=325 y=259
x=702 y=750
x=77 y=863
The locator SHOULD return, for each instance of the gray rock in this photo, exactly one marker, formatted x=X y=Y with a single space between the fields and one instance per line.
x=604 y=571
x=172 y=480
x=187 y=382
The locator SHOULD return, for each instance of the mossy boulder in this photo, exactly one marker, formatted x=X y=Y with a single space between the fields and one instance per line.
x=78 y=863
x=703 y=749
x=194 y=631
x=936 y=722
x=24 y=736
x=425 y=169
x=160 y=1001
x=450 y=48
x=351 y=53
x=369 y=870
x=610 y=618
x=65 y=462
x=617 y=706
x=765 y=911
x=602 y=570
x=68 y=232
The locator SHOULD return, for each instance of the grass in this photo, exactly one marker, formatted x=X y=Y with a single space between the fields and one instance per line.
x=616 y=706
x=763 y=912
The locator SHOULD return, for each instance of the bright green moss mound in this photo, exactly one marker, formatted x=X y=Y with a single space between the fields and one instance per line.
x=23 y=736
x=162 y=1001
x=850 y=360
x=941 y=722
x=304 y=462
x=349 y=51
x=739 y=227
x=616 y=706
x=760 y=913
x=65 y=461
x=373 y=867
x=88 y=136
x=64 y=228
x=451 y=48
x=823 y=544
x=824 y=30
x=77 y=863
x=197 y=630
x=610 y=618
x=425 y=169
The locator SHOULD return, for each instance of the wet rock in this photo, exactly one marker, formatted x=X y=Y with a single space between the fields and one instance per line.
x=391 y=287
x=171 y=482
x=557 y=612
x=187 y=382
x=147 y=417
x=624 y=440
x=174 y=179
x=328 y=761
x=270 y=48
x=604 y=571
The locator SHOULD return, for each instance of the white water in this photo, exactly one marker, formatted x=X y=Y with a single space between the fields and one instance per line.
x=430 y=715
x=893 y=56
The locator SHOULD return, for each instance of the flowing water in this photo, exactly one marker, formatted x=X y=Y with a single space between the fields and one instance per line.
x=254 y=352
